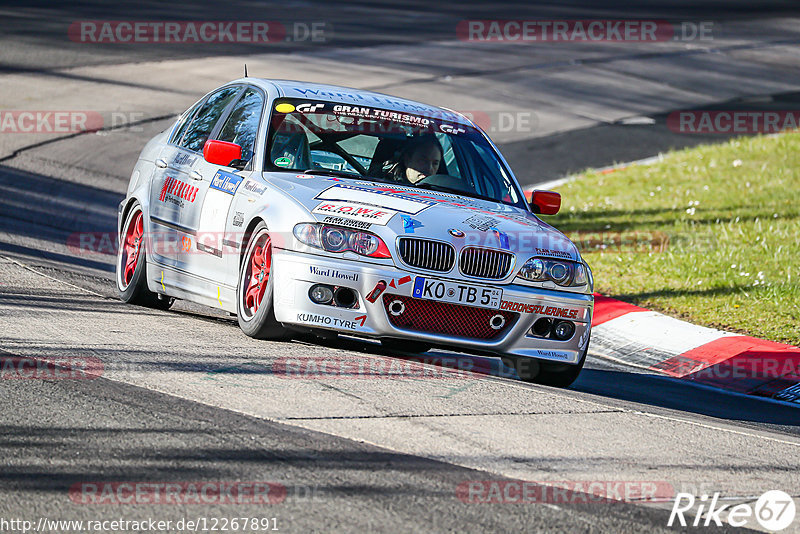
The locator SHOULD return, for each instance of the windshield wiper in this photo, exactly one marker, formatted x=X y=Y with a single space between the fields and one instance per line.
x=455 y=191
x=347 y=174
x=343 y=174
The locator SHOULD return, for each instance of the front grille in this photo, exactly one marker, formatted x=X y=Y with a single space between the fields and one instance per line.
x=426 y=254
x=448 y=319
x=486 y=263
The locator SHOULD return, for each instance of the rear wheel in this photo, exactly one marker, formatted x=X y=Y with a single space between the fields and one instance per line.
x=132 y=264
x=254 y=306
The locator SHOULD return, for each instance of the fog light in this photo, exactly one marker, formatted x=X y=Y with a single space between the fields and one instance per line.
x=563 y=330
x=541 y=327
x=321 y=294
x=344 y=297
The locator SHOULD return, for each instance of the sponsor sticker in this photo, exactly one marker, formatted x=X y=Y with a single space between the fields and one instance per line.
x=385 y=197
x=410 y=224
x=358 y=212
x=502 y=237
x=350 y=223
x=552 y=311
x=184 y=160
x=254 y=187
x=554 y=355
x=226 y=182
x=331 y=322
x=283 y=162
x=284 y=108
x=480 y=222
x=238 y=218
x=176 y=191
x=554 y=253
x=334 y=273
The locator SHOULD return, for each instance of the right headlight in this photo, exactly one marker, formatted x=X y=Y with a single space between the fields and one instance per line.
x=562 y=272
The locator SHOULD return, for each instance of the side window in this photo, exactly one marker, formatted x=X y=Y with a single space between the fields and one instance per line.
x=205 y=119
x=186 y=120
x=242 y=124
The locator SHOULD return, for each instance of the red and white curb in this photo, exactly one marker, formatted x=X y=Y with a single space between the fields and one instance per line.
x=642 y=338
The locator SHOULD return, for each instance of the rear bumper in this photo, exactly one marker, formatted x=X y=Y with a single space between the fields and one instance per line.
x=449 y=324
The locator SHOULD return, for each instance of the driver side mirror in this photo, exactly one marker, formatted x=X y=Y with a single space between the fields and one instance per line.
x=545 y=202
x=223 y=153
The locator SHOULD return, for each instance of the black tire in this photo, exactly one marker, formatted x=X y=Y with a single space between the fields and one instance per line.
x=132 y=286
x=258 y=321
x=559 y=375
x=405 y=345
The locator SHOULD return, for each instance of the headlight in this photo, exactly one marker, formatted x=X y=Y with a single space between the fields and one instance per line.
x=339 y=239
x=563 y=273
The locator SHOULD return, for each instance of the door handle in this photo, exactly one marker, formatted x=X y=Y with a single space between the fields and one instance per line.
x=161 y=164
x=194 y=175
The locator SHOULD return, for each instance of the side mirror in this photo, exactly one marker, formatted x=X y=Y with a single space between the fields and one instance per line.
x=545 y=202
x=221 y=152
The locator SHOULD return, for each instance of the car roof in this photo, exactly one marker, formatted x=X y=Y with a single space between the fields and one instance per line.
x=350 y=95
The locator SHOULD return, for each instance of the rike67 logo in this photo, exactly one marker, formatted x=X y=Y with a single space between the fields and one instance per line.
x=774 y=511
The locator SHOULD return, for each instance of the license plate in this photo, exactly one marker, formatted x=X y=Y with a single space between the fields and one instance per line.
x=482 y=297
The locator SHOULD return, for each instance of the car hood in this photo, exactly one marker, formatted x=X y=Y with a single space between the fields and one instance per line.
x=390 y=211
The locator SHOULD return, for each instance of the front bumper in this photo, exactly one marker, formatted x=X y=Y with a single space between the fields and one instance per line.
x=294 y=274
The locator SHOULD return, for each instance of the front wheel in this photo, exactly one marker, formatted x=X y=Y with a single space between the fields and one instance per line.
x=132 y=264
x=254 y=305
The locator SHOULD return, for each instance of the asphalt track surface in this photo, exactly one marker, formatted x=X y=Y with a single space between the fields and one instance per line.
x=184 y=396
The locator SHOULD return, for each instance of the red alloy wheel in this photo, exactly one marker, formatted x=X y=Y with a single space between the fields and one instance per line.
x=257 y=274
x=132 y=247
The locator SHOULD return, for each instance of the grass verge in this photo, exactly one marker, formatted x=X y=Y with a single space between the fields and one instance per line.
x=710 y=234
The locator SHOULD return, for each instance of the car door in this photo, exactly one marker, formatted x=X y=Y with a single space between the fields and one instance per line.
x=171 y=168
x=174 y=186
x=208 y=218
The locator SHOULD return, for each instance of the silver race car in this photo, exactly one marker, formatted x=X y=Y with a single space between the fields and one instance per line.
x=306 y=207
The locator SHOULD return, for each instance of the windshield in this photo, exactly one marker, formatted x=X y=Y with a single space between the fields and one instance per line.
x=387 y=146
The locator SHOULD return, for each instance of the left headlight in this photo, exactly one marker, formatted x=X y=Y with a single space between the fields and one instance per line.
x=340 y=239
x=563 y=273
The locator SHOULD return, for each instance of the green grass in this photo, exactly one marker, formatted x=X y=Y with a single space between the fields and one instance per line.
x=709 y=234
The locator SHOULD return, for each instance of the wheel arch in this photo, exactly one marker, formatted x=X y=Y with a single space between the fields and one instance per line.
x=251 y=226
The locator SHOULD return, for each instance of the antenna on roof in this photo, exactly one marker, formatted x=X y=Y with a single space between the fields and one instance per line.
x=245 y=70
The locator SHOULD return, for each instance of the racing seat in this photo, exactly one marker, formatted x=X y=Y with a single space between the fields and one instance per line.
x=387 y=152
x=293 y=146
